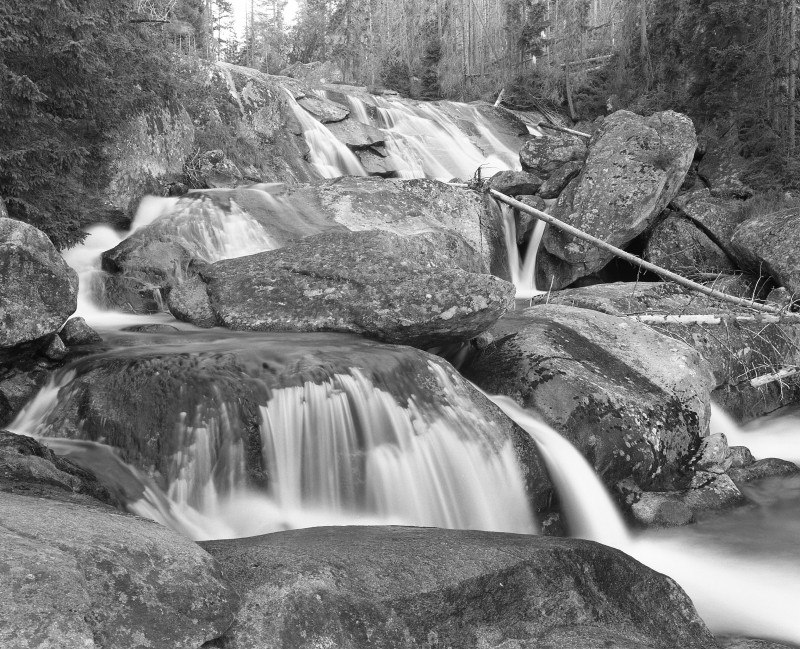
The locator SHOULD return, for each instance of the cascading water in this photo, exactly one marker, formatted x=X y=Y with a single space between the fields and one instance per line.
x=772 y=437
x=740 y=581
x=337 y=449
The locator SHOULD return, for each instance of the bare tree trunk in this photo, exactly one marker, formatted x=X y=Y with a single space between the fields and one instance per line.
x=792 y=75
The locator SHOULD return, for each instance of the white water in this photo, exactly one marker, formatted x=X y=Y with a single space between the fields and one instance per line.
x=735 y=591
x=770 y=437
x=522 y=270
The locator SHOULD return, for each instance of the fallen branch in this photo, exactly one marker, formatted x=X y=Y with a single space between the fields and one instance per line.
x=603 y=57
x=776 y=376
x=716 y=318
x=563 y=129
x=662 y=272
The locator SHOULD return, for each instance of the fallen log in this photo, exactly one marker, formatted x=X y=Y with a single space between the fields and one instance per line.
x=715 y=318
x=658 y=270
x=775 y=376
x=563 y=129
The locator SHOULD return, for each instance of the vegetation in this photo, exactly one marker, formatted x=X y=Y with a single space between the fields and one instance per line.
x=73 y=70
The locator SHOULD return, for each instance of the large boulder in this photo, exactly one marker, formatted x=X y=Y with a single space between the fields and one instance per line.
x=421 y=290
x=75 y=575
x=543 y=155
x=323 y=110
x=717 y=217
x=634 y=169
x=737 y=345
x=38 y=291
x=399 y=588
x=770 y=244
x=633 y=401
x=677 y=244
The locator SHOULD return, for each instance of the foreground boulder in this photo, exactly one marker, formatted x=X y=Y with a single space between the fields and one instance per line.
x=74 y=575
x=634 y=168
x=398 y=588
x=405 y=290
x=38 y=291
x=633 y=401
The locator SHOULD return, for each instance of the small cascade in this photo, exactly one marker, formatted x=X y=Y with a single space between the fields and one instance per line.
x=335 y=449
x=522 y=271
x=586 y=504
x=345 y=446
x=771 y=437
x=329 y=156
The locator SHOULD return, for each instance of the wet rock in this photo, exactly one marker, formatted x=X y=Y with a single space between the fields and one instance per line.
x=81 y=576
x=740 y=457
x=357 y=135
x=213 y=169
x=661 y=509
x=768 y=244
x=190 y=303
x=77 y=332
x=512 y=183
x=341 y=587
x=29 y=468
x=376 y=164
x=634 y=169
x=38 y=291
x=713 y=454
x=766 y=468
x=323 y=110
x=56 y=350
x=559 y=179
x=152 y=329
x=712 y=493
x=677 y=244
x=633 y=401
x=18 y=385
x=407 y=290
x=543 y=155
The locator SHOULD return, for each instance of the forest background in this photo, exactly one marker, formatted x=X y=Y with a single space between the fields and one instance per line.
x=73 y=70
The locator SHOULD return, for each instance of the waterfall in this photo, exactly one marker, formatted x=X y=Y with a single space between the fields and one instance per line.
x=522 y=270
x=734 y=591
x=773 y=437
x=335 y=450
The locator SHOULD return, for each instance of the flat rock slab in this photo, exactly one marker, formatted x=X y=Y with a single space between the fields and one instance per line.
x=394 y=587
x=421 y=290
x=78 y=576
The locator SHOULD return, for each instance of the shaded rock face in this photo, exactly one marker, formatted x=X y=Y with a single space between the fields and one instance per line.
x=769 y=244
x=717 y=217
x=634 y=402
x=559 y=179
x=396 y=587
x=38 y=291
x=513 y=183
x=421 y=290
x=735 y=350
x=84 y=576
x=28 y=468
x=543 y=155
x=634 y=168
x=677 y=244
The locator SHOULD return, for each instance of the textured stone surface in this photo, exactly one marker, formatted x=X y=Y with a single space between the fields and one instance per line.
x=421 y=290
x=77 y=332
x=718 y=217
x=38 y=291
x=677 y=244
x=72 y=575
x=633 y=401
x=559 y=179
x=737 y=350
x=766 y=468
x=513 y=183
x=395 y=587
x=543 y=155
x=770 y=244
x=357 y=135
x=325 y=111
x=634 y=168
